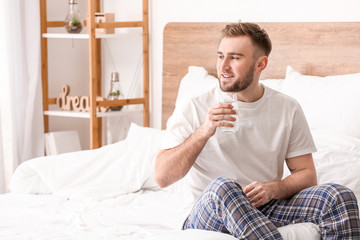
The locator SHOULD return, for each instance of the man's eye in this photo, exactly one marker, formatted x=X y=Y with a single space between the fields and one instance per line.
x=220 y=56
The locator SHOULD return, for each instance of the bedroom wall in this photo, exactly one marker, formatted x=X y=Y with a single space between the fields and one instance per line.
x=123 y=55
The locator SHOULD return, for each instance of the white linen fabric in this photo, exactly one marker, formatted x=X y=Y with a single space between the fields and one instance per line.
x=339 y=159
x=141 y=214
x=119 y=168
x=196 y=79
x=279 y=119
x=144 y=215
x=330 y=103
x=275 y=84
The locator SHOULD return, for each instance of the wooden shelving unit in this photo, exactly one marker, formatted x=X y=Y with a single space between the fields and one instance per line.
x=94 y=68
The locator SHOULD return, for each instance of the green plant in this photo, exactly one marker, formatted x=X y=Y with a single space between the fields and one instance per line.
x=117 y=93
x=75 y=21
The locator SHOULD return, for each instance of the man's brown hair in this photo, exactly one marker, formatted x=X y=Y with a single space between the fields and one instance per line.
x=258 y=36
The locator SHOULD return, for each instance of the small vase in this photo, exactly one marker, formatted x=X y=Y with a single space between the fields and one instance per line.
x=72 y=21
x=115 y=91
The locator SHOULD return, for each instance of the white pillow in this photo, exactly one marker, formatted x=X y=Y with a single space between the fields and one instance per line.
x=331 y=103
x=119 y=168
x=337 y=159
x=151 y=140
x=275 y=84
x=194 y=81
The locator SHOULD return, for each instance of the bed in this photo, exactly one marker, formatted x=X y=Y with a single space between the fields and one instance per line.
x=110 y=192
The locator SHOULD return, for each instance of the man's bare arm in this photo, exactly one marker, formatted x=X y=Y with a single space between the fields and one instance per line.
x=173 y=164
x=303 y=175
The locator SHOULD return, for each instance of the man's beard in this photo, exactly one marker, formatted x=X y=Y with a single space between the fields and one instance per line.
x=240 y=84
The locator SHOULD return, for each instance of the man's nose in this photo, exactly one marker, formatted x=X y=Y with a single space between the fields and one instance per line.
x=225 y=65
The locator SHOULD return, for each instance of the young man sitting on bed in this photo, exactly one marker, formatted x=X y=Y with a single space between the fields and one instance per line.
x=238 y=176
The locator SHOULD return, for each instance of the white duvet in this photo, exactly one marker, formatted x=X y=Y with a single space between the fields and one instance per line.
x=119 y=168
x=145 y=215
x=109 y=193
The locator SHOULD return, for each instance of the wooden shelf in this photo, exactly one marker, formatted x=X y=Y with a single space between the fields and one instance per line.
x=74 y=114
x=136 y=24
x=94 y=50
x=80 y=35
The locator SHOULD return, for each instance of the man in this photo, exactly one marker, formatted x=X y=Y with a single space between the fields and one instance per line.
x=238 y=177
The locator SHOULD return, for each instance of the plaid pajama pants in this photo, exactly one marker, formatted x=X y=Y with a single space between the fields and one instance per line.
x=223 y=207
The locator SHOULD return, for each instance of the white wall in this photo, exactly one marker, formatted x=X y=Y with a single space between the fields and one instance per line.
x=70 y=62
x=164 y=11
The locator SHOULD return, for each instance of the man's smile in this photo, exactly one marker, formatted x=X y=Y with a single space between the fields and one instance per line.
x=227 y=75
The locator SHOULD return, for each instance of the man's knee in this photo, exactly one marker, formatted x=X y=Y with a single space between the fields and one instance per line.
x=337 y=190
x=224 y=183
x=338 y=193
x=223 y=187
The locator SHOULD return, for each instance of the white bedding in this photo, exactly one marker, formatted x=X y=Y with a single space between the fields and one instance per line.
x=119 y=168
x=148 y=213
x=137 y=215
x=110 y=193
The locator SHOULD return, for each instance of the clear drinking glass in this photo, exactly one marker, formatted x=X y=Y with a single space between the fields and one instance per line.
x=230 y=98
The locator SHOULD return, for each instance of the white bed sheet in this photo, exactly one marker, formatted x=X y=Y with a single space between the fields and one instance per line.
x=144 y=215
x=82 y=212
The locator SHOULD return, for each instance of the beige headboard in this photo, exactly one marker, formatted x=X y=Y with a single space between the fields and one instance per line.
x=325 y=48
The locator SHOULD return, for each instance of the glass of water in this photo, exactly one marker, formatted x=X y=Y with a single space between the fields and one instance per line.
x=230 y=98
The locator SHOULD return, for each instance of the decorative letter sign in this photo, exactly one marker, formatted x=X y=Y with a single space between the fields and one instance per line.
x=76 y=103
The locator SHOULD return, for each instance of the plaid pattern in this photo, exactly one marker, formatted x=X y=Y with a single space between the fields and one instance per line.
x=225 y=208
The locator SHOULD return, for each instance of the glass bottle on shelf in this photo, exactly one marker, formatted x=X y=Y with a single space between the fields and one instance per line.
x=115 y=90
x=72 y=20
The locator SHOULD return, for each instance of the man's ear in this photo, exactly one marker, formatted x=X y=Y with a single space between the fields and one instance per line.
x=261 y=64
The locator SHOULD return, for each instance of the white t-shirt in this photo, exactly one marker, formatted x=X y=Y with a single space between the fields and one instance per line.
x=270 y=130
